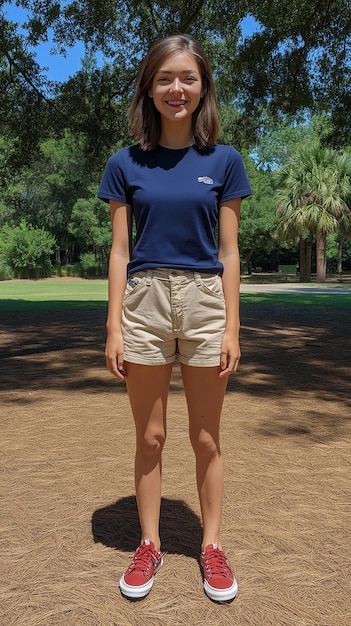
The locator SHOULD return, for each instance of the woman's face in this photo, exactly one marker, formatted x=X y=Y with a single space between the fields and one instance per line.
x=177 y=87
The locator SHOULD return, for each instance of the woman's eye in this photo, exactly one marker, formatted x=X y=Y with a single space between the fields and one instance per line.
x=166 y=79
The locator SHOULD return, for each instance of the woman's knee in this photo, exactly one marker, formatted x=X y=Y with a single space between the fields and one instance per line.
x=151 y=445
x=204 y=445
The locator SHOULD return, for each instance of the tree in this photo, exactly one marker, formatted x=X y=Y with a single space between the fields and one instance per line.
x=257 y=221
x=27 y=250
x=279 y=137
x=45 y=192
x=298 y=58
x=26 y=96
x=90 y=225
x=313 y=188
x=57 y=192
x=292 y=63
x=344 y=233
x=55 y=137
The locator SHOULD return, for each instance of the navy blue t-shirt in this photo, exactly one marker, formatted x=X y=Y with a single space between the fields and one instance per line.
x=175 y=197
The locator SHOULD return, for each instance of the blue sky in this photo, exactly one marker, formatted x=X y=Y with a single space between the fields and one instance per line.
x=59 y=68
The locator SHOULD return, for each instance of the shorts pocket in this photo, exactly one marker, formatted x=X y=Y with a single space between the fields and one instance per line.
x=212 y=285
x=133 y=285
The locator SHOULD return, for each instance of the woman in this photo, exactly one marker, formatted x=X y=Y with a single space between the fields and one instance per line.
x=176 y=293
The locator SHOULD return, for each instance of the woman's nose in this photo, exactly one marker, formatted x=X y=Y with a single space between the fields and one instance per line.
x=176 y=85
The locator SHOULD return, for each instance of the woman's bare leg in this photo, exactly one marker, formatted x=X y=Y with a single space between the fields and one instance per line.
x=204 y=392
x=148 y=391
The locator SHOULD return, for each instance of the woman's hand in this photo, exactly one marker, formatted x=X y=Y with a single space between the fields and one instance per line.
x=230 y=354
x=114 y=354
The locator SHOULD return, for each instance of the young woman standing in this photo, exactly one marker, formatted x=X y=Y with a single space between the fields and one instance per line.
x=175 y=294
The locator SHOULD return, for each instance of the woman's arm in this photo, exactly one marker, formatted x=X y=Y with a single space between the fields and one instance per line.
x=228 y=255
x=121 y=218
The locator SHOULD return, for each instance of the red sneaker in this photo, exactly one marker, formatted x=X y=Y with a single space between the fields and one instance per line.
x=219 y=581
x=139 y=577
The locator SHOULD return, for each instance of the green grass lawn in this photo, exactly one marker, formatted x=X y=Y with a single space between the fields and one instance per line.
x=338 y=301
x=76 y=293
x=52 y=295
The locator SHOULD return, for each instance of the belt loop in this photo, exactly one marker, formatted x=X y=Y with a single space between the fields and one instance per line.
x=197 y=278
x=148 y=277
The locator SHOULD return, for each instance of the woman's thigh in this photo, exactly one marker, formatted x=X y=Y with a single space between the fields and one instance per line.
x=204 y=392
x=148 y=387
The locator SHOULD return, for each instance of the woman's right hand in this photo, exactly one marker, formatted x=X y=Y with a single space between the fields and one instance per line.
x=114 y=354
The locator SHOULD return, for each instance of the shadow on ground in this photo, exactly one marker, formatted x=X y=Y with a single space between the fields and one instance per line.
x=67 y=449
x=288 y=351
x=117 y=526
x=284 y=349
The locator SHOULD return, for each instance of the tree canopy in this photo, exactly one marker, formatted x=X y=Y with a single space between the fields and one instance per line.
x=313 y=200
x=285 y=85
x=298 y=58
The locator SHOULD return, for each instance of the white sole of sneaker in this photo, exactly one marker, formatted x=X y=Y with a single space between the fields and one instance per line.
x=140 y=591
x=221 y=595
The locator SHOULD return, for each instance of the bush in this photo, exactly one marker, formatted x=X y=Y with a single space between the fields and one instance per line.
x=6 y=273
x=66 y=270
x=27 y=250
x=90 y=267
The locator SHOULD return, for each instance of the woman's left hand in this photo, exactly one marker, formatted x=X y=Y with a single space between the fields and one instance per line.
x=230 y=354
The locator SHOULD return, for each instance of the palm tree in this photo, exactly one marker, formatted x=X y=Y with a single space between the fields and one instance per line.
x=314 y=186
x=343 y=234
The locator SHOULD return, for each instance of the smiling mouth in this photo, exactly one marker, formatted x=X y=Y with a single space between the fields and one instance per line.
x=176 y=103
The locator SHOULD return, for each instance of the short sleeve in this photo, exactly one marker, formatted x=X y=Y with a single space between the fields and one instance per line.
x=113 y=184
x=236 y=183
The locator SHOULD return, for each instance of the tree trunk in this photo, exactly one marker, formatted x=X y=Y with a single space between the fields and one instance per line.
x=340 y=248
x=305 y=260
x=321 y=242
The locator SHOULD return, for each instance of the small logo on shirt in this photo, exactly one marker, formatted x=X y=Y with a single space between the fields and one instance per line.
x=205 y=179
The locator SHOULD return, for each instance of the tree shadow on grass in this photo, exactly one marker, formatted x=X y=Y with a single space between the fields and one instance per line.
x=117 y=526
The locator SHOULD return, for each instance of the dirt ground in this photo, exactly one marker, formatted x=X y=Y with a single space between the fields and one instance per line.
x=68 y=517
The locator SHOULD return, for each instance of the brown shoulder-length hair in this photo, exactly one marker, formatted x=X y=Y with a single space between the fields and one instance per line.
x=145 y=120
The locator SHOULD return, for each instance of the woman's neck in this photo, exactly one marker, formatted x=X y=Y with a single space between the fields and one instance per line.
x=176 y=137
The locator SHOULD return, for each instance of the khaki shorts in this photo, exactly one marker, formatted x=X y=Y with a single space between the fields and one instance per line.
x=169 y=314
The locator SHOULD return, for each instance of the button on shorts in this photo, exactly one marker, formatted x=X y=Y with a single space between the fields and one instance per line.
x=173 y=314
